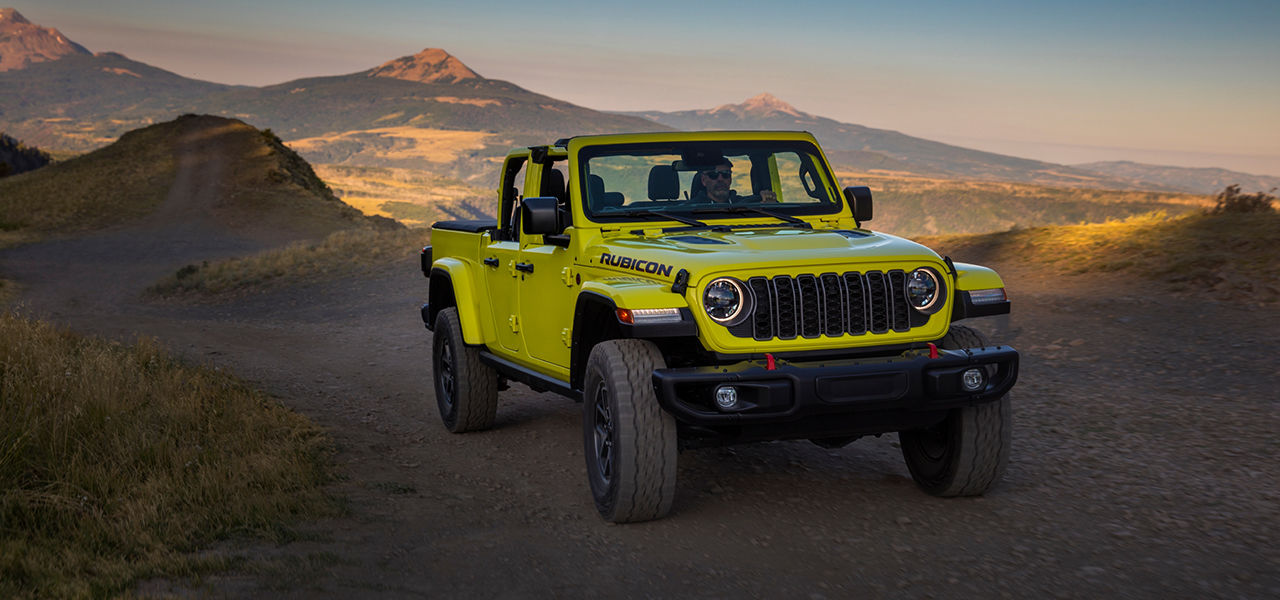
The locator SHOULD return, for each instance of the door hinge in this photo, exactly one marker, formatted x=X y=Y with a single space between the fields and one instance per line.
x=514 y=322
x=511 y=267
x=566 y=336
x=567 y=275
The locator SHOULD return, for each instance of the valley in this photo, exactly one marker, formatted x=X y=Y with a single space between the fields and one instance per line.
x=274 y=237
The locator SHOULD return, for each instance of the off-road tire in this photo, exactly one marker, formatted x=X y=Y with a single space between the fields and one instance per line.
x=965 y=454
x=628 y=440
x=466 y=388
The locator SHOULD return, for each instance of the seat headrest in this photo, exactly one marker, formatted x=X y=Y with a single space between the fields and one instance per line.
x=595 y=186
x=611 y=199
x=664 y=183
x=553 y=184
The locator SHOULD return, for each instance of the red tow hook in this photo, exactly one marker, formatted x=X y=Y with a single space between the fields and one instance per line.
x=769 y=364
x=933 y=350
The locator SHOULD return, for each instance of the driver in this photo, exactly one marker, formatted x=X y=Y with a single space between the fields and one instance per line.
x=713 y=185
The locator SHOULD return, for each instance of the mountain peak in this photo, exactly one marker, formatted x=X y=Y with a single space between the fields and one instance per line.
x=11 y=15
x=432 y=65
x=760 y=105
x=23 y=43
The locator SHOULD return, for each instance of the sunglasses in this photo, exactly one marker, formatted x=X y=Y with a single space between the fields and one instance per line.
x=718 y=174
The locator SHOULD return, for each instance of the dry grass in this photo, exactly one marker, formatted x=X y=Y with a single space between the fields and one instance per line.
x=8 y=291
x=342 y=254
x=118 y=463
x=915 y=206
x=107 y=186
x=389 y=143
x=1234 y=256
x=414 y=197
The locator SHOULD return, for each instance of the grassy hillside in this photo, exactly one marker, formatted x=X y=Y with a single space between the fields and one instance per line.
x=118 y=463
x=1228 y=256
x=245 y=178
x=414 y=197
x=117 y=183
x=342 y=254
x=913 y=206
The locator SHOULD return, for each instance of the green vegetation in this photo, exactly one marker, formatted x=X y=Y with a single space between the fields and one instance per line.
x=118 y=463
x=1231 y=200
x=1232 y=255
x=342 y=254
x=17 y=157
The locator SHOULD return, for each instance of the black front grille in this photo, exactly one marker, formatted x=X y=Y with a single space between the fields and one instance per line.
x=828 y=304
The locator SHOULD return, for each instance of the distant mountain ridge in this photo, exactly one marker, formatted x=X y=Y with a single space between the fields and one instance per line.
x=1200 y=180
x=374 y=117
x=60 y=97
x=880 y=150
x=23 y=43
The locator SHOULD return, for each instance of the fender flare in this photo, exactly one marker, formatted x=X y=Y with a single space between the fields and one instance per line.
x=453 y=284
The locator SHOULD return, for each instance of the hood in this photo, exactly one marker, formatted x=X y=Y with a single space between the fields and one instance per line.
x=708 y=252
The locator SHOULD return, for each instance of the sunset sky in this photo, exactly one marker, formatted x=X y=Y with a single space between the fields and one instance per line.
x=1177 y=83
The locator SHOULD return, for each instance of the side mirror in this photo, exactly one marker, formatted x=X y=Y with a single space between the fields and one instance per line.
x=538 y=216
x=859 y=198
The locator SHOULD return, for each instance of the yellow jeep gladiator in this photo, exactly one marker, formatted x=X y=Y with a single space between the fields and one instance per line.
x=710 y=288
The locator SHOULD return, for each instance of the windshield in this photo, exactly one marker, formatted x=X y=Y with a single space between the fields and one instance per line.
x=708 y=180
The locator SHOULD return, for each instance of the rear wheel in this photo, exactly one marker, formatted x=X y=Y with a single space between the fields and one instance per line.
x=967 y=452
x=629 y=441
x=466 y=388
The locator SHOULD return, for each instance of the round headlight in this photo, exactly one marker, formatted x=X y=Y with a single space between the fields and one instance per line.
x=725 y=300
x=922 y=290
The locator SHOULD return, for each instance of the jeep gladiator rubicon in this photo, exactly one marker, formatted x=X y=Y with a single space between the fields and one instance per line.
x=627 y=272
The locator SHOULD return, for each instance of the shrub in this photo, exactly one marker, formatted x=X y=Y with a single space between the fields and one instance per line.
x=1231 y=200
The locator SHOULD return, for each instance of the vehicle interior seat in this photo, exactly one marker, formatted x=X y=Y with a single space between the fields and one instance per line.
x=664 y=183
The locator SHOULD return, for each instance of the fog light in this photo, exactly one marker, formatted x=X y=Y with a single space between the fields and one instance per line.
x=727 y=397
x=972 y=380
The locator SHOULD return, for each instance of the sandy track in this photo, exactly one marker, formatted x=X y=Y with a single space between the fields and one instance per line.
x=1143 y=466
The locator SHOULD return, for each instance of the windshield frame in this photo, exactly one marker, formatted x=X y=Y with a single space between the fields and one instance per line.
x=708 y=212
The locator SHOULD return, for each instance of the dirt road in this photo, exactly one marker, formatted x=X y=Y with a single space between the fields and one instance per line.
x=1144 y=460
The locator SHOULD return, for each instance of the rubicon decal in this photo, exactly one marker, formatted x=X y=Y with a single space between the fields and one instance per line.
x=644 y=266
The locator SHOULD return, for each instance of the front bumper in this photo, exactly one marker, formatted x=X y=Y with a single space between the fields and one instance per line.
x=852 y=396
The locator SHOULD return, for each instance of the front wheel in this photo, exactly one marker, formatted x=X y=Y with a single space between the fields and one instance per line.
x=466 y=388
x=629 y=441
x=967 y=452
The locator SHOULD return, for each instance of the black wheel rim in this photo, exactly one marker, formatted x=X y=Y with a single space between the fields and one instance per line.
x=932 y=443
x=445 y=373
x=602 y=435
x=933 y=449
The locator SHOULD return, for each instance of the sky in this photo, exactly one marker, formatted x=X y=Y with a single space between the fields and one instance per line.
x=1192 y=84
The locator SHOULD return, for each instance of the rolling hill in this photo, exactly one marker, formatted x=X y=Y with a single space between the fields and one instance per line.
x=1199 y=180
x=201 y=170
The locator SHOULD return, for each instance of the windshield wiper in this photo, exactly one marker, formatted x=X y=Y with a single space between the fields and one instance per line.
x=757 y=210
x=666 y=215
